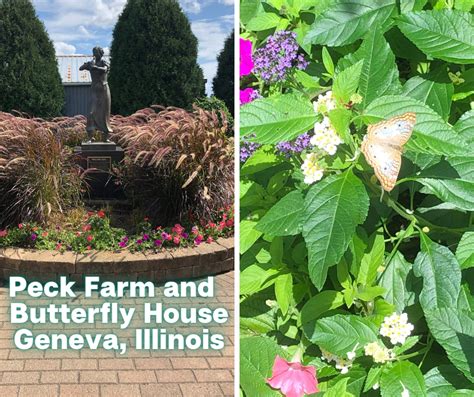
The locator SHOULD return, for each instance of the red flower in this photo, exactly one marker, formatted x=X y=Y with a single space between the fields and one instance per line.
x=90 y=213
x=101 y=214
x=86 y=228
x=209 y=240
x=90 y=237
x=58 y=246
x=293 y=379
x=44 y=234
x=176 y=240
x=230 y=222
x=3 y=233
x=88 y=247
x=178 y=229
x=212 y=225
x=20 y=226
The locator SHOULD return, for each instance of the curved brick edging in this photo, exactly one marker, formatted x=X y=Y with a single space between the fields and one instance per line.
x=183 y=263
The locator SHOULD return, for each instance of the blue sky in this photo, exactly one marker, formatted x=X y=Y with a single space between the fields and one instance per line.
x=77 y=26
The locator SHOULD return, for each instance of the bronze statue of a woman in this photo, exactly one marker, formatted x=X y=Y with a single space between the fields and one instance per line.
x=99 y=116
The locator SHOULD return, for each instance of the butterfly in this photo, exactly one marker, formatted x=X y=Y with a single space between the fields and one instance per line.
x=383 y=145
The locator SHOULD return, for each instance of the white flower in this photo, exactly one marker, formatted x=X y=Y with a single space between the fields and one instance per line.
x=324 y=103
x=351 y=355
x=376 y=386
x=380 y=354
x=312 y=171
x=325 y=138
x=397 y=328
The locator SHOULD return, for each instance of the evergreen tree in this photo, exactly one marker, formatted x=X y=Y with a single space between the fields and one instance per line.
x=29 y=76
x=153 y=57
x=223 y=83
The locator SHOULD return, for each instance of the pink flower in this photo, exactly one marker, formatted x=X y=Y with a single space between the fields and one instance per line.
x=178 y=229
x=246 y=61
x=198 y=239
x=293 y=379
x=209 y=240
x=246 y=95
x=3 y=233
x=176 y=240
x=90 y=237
x=195 y=230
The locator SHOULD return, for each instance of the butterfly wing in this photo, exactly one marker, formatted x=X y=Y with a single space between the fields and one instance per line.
x=384 y=159
x=395 y=131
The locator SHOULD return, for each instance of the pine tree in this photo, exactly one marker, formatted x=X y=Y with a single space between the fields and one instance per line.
x=153 y=57
x=223 y=83
x=29 y=77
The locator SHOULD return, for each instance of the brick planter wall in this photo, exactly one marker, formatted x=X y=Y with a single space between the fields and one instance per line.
x=183 y=263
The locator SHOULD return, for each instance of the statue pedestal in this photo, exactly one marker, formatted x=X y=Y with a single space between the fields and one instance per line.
x=98 y=159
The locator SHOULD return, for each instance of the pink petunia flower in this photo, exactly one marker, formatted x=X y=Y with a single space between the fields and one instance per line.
x=246 y=61
x=246 y=95
x=3 y=233
x=292 y=378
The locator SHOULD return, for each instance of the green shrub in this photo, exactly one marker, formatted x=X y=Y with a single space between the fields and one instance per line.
x=214 y=104
x=223 y=82
x=29 y=80
x=154 y=58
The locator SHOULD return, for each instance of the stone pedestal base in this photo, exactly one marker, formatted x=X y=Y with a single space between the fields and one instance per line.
x=98 y=159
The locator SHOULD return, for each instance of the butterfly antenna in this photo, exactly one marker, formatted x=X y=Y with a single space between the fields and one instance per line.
x=381 y=194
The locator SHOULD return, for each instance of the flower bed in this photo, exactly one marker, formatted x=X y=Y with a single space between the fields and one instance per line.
x=96 y=233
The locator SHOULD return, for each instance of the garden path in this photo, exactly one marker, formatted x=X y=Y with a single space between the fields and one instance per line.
x=107 y=373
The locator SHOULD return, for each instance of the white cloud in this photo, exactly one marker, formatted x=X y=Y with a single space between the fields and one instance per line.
x=227 y=2
x=191 y=6
x=63 y=48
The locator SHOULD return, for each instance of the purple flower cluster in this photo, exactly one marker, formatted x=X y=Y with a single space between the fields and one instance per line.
x=297 y=146
x=277 y=59
x=247 y=148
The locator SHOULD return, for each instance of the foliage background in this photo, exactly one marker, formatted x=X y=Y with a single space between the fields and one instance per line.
x=322 y=265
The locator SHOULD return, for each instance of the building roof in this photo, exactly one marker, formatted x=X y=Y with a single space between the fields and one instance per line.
x=69 y=65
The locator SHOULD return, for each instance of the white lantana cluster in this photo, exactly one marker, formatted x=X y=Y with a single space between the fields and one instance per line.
x=379 y=353
x=341 y=364
x=325 y=138
x=312 y=171
x=396 y=327
x=324 y=103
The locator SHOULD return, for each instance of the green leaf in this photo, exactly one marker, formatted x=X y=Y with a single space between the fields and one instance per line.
x=394 y=279
x=251 y=194
x=373 y=377
x=454 y=330
x=284 y=291
x=333 y=209
x=248 y=9
x=346 y=82
x=465 y=250
x=339 y=389
x=327 y=61
x=248 y=235
x=465 y=126
x=441 y=275
x=432 y=135
x=379 y=75
x=443 y=34
x=317 y=306
x=263 y=21
x=257 y=355
x=454 y=191
x=276 y=119
x=443 y=380
x=339 y=334
x=284 y=218
x=409 y=343
x=435 y=90
x=253 y=277
x=340 y=120
x=256 y=315
x=262 y=159
x=403 y=374
x=372 y=259
x=348 y=20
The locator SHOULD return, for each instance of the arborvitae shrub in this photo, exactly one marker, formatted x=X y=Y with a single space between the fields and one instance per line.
x=154 y=58
x=29 y=76
x=223 y=83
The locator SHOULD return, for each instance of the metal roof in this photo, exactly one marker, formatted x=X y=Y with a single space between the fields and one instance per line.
x=69 y=65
